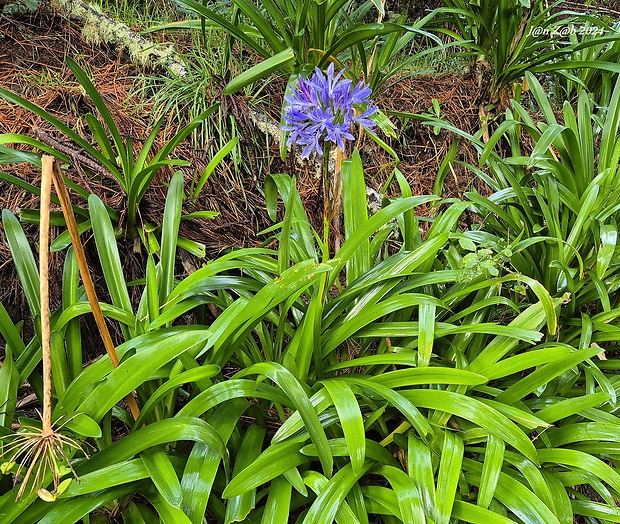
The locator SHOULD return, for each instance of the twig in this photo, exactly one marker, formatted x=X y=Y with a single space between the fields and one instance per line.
x=77 y=156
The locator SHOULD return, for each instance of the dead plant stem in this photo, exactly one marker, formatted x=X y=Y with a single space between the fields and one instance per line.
x=67 y=210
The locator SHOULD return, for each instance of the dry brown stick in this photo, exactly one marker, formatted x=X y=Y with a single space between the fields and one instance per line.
x=78 y=157
x=44 y=238
x=65 y=202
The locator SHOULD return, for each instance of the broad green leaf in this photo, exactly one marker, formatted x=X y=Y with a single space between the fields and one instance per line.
x=478 y=413
x=160 y=432
x=75 y=508
x=186 y=377
x=9 y=383
x=203 y=463
x=543 y=375
x=477 y=515
x=407 y=493
x=24 y=261
x=169 y=235
x=514 y=495
x=426 y=333
x=277 y=507
x=109 y=257
x=582 y=461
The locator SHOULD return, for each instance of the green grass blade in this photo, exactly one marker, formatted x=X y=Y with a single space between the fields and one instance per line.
x=214 y=162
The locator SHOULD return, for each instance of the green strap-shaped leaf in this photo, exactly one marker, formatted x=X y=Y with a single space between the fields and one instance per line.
x=74 y=509
x=491 y=468
x=293 y=389
x=282 y=60
x=332 y=496
x=203 y=463
x=514 y=495
x=160 y=432
x=277 y=507
x=271 y=463
x=163 y=475
x=476 y=412
x=24 y=261
x=137 y=369
x=168 y=514
x=186 y=377
x=533 y=318
x=448 y=476
x=544 y=375
x=9 y=383
x=407 y=493
x=169 y=234
x=355 y=211
x=111 y=264
x=350 y=417
x=238 y=507
x=317 y=482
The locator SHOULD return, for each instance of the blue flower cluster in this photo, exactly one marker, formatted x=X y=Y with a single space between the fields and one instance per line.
x=325 y=108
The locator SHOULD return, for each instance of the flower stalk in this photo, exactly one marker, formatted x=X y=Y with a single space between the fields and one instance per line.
x=320 y=113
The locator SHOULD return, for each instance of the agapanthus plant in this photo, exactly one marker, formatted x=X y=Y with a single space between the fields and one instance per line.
x=325 y=108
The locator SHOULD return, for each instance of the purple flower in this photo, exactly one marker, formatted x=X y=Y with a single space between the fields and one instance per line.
x=325 y=108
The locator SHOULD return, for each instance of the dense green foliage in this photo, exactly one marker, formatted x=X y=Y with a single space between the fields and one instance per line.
x=411 y=376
